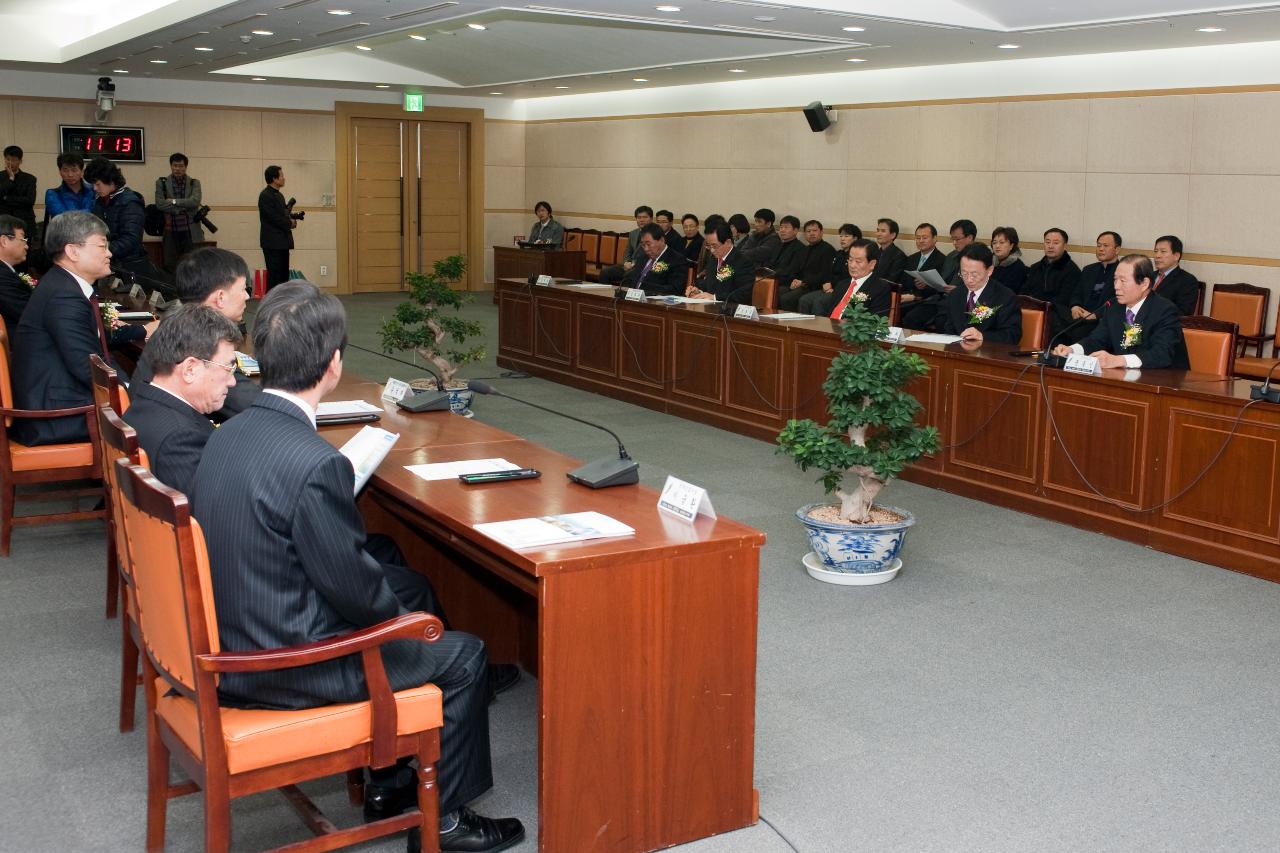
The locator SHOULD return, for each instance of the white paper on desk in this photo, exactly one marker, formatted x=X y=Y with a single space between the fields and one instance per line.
x=932 y=338
x=587 y=284
x=344 y=408
x=135 y=315
x=366 y=450
x=554 y=529
x=680 y=300
x=787 y=315
x=451 y=470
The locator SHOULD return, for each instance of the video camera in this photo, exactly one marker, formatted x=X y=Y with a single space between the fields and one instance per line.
x=289 y=206
x=202 y=217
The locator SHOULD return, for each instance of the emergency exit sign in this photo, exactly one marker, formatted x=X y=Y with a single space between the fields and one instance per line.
x=412 y=103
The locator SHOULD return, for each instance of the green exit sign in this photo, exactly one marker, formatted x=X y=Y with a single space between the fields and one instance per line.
x=412 y=103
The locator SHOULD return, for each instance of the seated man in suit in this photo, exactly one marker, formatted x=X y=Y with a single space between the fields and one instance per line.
x=865 y=285
x=613 y=273
x=215 y=278
x=982 y=310
x=1172 y=281
x=190 y=361
x=60 y=328
x=763 y=243
x=1054 y=278
x=919 y=301
x=731 y=276
x=963 y=232
x=15 y=292
x=892 y=259
x=1140 y=329
x=663 y=272
x=787 y=260
x=289 y=564
x=1096 y=288
x=814 y=268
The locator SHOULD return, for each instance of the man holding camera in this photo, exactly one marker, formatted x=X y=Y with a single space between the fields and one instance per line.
x=178 y=198
x=275 y=234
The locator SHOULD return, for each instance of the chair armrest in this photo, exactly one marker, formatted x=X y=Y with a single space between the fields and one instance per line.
x=45 y=413
x=411 y=626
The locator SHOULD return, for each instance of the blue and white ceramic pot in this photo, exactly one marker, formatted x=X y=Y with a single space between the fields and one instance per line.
x=856 y=548
x=460 y=400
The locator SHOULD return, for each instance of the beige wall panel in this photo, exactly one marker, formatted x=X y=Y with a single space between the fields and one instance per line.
x=612 y=190
x=35 y=124
x=6 y=119
x=813 y=194
x=504 y=144
x=616 y=142
x=504 y=187
x=235 y=228
x=1235 y=134
x=1143 y=135
x=540 y=141
x=677 y=190
x=944 y=197
x=305 y=180
x=310 y=261
x=650 y=140
x=703 y=143
x=760 y=140
x=297 y=136
x=808 y=150
x=1043 y=136
x=1109 y=206
x=224 y=133
x=883 y=138
x=751 y=189
x=870 y=195
x=1211 y=274
x=165 y=129
x=958 y=137
x=318 y=231
x=1034 y=201
x=226 y=181
x=542 y=182
x=1233 y=215
x=706 y=193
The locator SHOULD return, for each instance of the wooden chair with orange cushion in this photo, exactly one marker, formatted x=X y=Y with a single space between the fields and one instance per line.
x=1199 y=298
x=232 y=752
x=1257 y=367
x=608 y=247
x=47 y=463
x=620 y=248
x=573 y=240
x=107 y=391
x=895 y=307
x=1035 y=323
x=1211 y=344
x=765 y=294
x=1246 y=306
x=690 y=276
x=591 y=245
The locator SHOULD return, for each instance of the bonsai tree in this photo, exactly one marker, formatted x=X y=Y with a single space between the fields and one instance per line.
x=871 y=434
x=427 y=322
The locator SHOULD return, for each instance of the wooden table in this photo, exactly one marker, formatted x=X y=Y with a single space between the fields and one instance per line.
x=1139 y=437
x=644 y=646
x=514 y=262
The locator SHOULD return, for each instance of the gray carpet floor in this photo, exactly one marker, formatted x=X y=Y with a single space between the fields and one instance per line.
x=1021 y=686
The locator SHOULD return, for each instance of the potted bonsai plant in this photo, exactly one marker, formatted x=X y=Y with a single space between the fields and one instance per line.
x=869 y=437
x=428 y=323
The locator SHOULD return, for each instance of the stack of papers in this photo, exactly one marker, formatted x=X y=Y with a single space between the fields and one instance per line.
x=346 y=410
x=451 y=470
x=554 y=529
x=932 y=338
x=787 y=315
x=366 y=450
x=248 y=364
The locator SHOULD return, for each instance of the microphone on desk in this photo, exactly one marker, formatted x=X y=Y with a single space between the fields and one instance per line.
x=1046 y=356
x=598 y=474
x=1264 y=391
x=421 y=401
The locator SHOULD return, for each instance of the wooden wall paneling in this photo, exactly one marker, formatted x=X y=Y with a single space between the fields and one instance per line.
x=378 y=209
x=515 y=314
x=553 y=329
x=697 y=357
x=642 y=347
x=442 y=175
x=754 y=377
x=1094 y=420
x=995 y=429
x=934 y=408
x=810 y=363
x=597 y=340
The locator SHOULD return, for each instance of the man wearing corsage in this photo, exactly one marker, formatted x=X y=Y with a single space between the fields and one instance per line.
x=982 y=310
x=663 y=272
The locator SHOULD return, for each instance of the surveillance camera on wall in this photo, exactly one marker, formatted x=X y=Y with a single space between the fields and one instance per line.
x=106 y=94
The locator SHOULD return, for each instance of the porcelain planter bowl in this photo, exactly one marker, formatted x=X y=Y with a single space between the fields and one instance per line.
x=460 y=400
x=854 y=552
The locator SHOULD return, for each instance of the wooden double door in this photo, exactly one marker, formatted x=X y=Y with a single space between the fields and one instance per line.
x=409 y=198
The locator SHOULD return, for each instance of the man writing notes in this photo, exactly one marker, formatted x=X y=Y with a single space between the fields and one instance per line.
x=663 y=270
x=1096 y=287
x=982 y=310
x=1140 y=329
x=730 y=275
x=289 y=565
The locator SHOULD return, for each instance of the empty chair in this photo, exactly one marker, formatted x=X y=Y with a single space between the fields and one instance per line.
x=1257 y=367
x=1211 y=344
x=1035 y=323
x=108 y=392
x=1246 y=306
x=119 y=441
x=765 y=294
x=573 y=240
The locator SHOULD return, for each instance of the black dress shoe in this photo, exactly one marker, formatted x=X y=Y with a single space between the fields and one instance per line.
x=475 y=834
x=502 y=677
x=380 y=801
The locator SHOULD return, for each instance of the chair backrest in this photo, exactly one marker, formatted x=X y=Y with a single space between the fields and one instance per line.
x=118 y=441
x=1035 y=323
x=765 y=294
x=106 y=384
x=1199 y=298
x=608 y=246
x=573 y=240
x=895 y=308
x=1211 y=344
x=1242 y=304
x=620 y=248
x=591 y=245
x=6 y=380
x=690 y=276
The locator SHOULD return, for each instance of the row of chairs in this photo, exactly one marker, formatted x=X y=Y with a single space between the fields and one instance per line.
x=603 y=248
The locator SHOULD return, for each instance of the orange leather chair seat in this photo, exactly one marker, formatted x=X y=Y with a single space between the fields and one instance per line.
x=1254 y=367
x=257 y=739
x=50 y=456
x=1209 y=352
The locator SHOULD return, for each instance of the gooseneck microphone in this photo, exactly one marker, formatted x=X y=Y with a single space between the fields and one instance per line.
x=598 y=474
x=1265 y=391
x=1046 y=356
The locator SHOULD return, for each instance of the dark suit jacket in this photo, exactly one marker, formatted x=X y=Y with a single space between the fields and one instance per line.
x=669 y=282
x=14 y=296
x=736 y=287
x=1161 y=343
x=275 y=230
x=1003 y=327
x=879 y=295
x=1096 y=287
x=892 y=262
x=172 y=433
x=815 y=265
x=787 y=261
x=18 y=198
x=124 y=212
x=239 y=398
x=1181 y=288
x=935 y=261
x=950 y=269
x=762 y=250
x=51 y=350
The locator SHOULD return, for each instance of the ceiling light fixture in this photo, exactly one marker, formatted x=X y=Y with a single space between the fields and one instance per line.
x=854 y=29
x=1008 y=46
x=204 y=49
x=640 y=79
x=338 y=11
x=856 y=59
x=495 y=93
x=119 y=70
x=1209 y=30
x=417 y=37
x=381 y=86
x=477 y=27
x=363 y=47
x=258 y=79
x=764 y=19
x=562 y=87
x=262 y=32
x=737 y=71
x=667 y=8
x=158 y=61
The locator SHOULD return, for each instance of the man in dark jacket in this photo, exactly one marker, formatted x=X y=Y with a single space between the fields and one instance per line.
x=1172 y=281
x=1096 y=288
x=763 y=243
x=982 y=310
x=1054 y=278
x=660 y=270
x=15 y=293
x=124 y=212
x=18 y=190
x=275 y=231
x=814 y=268
x=730 y=276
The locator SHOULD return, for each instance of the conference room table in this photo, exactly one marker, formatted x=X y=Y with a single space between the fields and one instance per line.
x=643 y=646
x=1170 y=459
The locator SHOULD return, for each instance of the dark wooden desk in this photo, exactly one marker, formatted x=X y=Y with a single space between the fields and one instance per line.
x=1140 y=437
x=644 y=646
x=514 y=262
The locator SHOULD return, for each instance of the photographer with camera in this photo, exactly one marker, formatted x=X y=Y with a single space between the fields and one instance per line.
x=178 y=198
x=278 y=220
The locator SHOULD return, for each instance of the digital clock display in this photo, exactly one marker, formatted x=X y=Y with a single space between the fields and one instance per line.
x=119 y=144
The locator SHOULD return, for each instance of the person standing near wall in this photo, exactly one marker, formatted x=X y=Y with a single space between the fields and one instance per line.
x=275 y=234
x=178 y=196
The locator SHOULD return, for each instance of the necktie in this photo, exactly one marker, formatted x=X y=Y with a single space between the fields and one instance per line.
x=844 y=301
x=96 y=303
x=1159 y=279
x=973 y=300
x=644 y=272
x=1129 y=316
x=920 y=264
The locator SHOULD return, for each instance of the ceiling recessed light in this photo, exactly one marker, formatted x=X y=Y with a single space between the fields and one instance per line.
x=1209 y=30
x=338 y=11
x=854 y=29
x=667 y=8
x=258 y=79
x=417 y=37
x=262 y=32
x=363 y=47
x=119 y=70
x=764 y=19
x=381 y=86
x=856 y=59
x=158 y=61
x=640 y=79
x=737 y=71
x=495 y=93
x=1008 y=46
x=477 y=27
x=204 y=49
x=562 y=87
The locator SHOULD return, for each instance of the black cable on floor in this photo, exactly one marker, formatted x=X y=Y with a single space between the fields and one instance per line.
x=765 y=821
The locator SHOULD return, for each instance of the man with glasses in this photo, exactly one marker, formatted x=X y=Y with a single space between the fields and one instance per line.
x=982 y=310
x=663 y=271
x=60 y=328
x=15 y=292
x=191 y=359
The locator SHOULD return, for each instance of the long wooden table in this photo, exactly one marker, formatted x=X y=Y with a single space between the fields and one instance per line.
x=1013 y=436
x=644 y=646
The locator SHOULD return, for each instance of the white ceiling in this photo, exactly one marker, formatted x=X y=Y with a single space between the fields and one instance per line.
x=575 y=46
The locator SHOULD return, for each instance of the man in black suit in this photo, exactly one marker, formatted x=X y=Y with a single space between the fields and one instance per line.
x=275 y=230
x=1140 y=329
x=730 y=276
x=15 y=293
x=920 y=302
x=982 y=310
x=613 y=273
x=60 y=328
x=816 y=257
x=1054 y=278
x=865 y=285
x=763 y=243
x=289 y=564
x=190 y=359
x=787 y=260
x=664 y=270
x=892 y=259
x=1096 y=287
x=963 y=232
x=215 y=278
x=18 y=190
x=1172 y=281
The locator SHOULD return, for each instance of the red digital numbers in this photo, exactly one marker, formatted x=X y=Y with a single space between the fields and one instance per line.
x=116 y=143
x=123 y=145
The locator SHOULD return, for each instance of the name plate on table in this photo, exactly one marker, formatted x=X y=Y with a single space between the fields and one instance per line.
x=544 y=281
x=635 y=294
x=136 y=292
x=746 y=312
x=893 y=336
x=156 y=300
x=684 y=500
x=1085 y=364
x=395 y=389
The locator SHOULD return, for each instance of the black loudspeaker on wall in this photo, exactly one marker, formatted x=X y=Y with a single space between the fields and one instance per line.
x=816 y=113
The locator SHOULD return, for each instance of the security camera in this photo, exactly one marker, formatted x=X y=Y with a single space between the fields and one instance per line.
x=106 y=94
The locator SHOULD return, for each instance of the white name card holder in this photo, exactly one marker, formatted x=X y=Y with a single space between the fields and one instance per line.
x=395 y=390
x=684 y=501
x=156 y=300
x=893 y=336
x=136 y=292
x=1083 y=364
x=746 y=312
x=545 y=281
x=635 y=294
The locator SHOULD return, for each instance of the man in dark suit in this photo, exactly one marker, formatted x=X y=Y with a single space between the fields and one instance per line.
x=14 y=291
x=1054 y=278
x=816 y=257
x=982 y=310
x=613 y=273
x=865 y=285
x=1096 y=287
x=892 y=259
x=1172 y=281
x=730 y=276
x=787 y=260
x=191 y=358
x=275 y=229
x=763 y=243
x=289 y=564
x=663 y=272
x=18 y=190
x=963 y=232
x=60 y=328
x=215 y=278
x=1140 y=329
x=920 y=302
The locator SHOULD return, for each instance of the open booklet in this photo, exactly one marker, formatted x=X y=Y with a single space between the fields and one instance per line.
x=554 y=529
x=930 y=278
x=366 y=450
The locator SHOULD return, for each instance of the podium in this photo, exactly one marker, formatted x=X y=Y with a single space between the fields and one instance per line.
x=512 y=262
